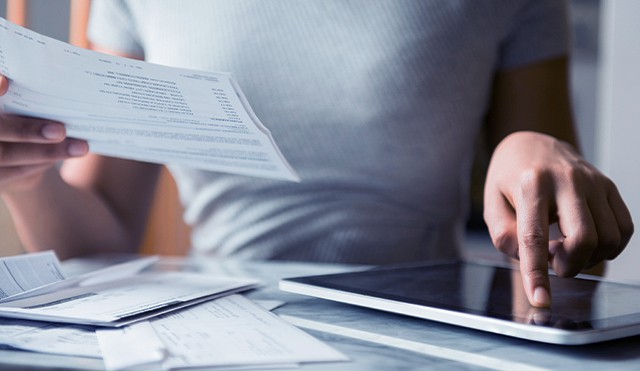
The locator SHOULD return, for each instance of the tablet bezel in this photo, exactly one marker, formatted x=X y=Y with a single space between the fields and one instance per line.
x=602 y=329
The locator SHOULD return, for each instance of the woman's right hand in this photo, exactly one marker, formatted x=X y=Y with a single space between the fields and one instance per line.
x=29 y=146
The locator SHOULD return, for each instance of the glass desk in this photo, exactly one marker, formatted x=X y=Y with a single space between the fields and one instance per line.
x=372 y=339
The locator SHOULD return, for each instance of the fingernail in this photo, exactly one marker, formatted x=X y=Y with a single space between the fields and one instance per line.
x=53 y=132
x=77 y=149
x=541 y=297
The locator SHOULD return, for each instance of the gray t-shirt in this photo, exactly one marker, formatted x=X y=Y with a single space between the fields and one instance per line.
x=376 y=103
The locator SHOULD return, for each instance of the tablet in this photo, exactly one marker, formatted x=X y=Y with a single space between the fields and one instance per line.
x=488 y=298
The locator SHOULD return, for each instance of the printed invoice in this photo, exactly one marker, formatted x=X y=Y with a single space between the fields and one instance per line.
x=136 y=110
x=228 y=332
x=35 y=288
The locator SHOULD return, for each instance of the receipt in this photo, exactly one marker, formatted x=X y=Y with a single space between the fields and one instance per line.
x=137 y=110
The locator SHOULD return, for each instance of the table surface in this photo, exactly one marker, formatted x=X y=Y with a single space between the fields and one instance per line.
x=372 y=339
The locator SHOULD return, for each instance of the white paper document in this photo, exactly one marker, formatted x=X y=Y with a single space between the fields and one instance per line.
x=137 y=110
x=113 y=296
x=227 y=332
x=41 y=274
x=22 y=273
x=125 y=300
x=73 y=340
x=50 y=338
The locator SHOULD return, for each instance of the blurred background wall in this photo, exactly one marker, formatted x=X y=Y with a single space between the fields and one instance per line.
x=618 y=129
x=603 y=39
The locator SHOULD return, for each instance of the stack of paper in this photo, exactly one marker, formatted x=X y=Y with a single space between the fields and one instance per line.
x=113 y=297
x=122 y=309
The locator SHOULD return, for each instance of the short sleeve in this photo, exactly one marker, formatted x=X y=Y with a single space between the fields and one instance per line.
x=540 y=30
x=112 y=26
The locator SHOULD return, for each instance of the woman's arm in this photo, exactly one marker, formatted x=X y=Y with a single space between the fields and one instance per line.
x=90 y=204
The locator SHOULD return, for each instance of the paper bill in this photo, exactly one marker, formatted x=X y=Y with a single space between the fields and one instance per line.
x=136 y=110
x=22 y=273
x=227 y=332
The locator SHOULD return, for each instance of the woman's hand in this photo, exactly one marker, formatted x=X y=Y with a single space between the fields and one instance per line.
x=534 y=181
x=29 y=146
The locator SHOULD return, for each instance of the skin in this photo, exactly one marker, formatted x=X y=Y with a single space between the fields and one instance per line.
x=536 y=177
x=114 y=195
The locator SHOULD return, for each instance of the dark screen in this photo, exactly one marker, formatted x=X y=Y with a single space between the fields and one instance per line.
x=495 y=292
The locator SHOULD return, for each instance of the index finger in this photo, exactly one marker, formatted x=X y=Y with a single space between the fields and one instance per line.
x=4 y=85
x=533 y=245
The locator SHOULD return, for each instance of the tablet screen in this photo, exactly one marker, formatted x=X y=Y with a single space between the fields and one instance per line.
x=494 y=292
